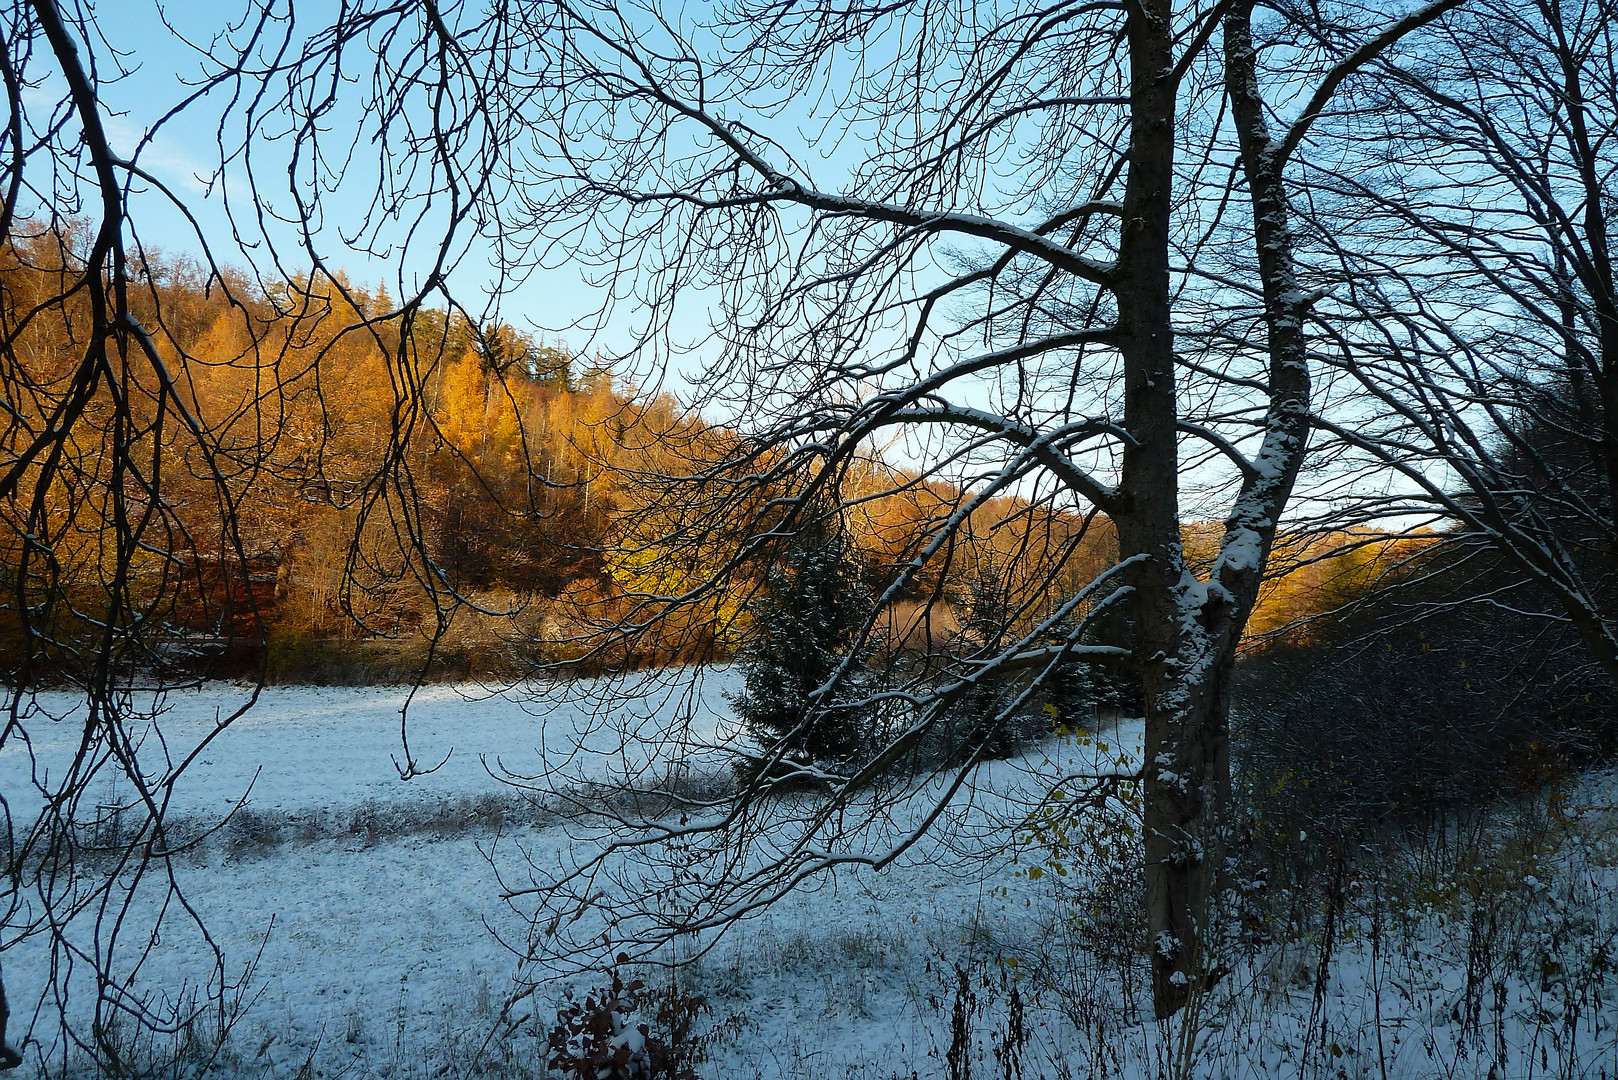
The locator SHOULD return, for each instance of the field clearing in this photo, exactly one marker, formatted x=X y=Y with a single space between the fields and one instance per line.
x=372 y=949
x=314 y=747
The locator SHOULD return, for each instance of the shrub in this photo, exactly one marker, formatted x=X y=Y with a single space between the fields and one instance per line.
x=1412 y=713
x=629 y=1032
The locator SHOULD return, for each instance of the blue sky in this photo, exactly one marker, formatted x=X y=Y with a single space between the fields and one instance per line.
x=185 y=155
x=160 y=41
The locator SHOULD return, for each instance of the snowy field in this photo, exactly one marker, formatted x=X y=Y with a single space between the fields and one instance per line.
x=328 y=747
x=374 y=941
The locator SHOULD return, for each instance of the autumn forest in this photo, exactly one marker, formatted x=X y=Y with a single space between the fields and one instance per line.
x=486 y=529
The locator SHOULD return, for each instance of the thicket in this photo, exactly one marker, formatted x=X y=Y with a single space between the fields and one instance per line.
x=811 y=679
x=1444 y=676
x=1447 y=694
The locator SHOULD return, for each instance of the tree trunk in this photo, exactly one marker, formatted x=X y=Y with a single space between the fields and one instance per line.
x=1148 y=521
x=1188 y=630
x=1187 y=777
x=9 y=1057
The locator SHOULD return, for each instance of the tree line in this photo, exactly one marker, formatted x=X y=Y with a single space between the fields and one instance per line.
x=530 y=478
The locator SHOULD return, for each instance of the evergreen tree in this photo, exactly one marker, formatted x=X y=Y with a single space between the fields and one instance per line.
x=1068 y=695
x=976 y=715
x=807 y=619
x=1089 y=687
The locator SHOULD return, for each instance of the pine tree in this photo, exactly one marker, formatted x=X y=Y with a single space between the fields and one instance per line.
x=807 y=620
x=1079 y=689
x=976 y=715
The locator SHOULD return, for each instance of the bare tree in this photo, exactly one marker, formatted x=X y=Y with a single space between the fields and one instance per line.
x=1034 y=282
x=123 y=539
x=93 y=552
x=1471 y=227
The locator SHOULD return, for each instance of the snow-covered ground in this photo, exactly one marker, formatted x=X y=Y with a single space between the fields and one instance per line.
x=366 y=953
x=359 y=941
x=330 y=747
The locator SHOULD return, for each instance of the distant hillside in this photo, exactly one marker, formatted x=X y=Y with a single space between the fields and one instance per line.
x=411 y=486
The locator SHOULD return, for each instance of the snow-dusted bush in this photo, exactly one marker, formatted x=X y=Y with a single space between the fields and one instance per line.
x=629 y=1031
